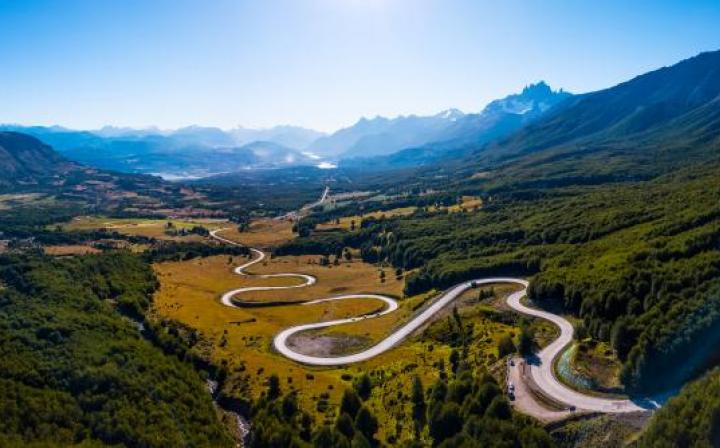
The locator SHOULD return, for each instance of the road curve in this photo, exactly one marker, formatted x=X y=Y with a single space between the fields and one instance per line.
x=542 y=371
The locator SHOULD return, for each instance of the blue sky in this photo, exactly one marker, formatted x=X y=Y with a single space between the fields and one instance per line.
x=320 y=63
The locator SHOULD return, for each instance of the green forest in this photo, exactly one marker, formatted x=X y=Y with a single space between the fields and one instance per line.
x=76 y=371
x=690 y=419
x=638 y=262
x=466 y=410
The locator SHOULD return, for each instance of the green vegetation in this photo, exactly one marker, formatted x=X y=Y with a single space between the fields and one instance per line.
x=467 y=410
x=637 y=262
x=175 y=251
x=610 y=206
x=74 y=370
x=470 y=410
x=690 y=419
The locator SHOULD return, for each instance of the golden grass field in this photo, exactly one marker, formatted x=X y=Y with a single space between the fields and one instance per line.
x=10 y=200
x=242 y=338
x=468 y=203
x=345 y=223
x=262 y=233
x=190 y=293
x=70 y=249
x=154 y=228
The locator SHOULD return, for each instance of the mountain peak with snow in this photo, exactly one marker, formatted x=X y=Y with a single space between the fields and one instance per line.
x=538 y=96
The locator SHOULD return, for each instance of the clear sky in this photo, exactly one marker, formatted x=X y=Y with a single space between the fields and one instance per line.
x=320 y=63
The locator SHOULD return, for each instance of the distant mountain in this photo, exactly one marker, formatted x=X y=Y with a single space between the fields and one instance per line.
x=505 y=115
x=380 y=135
x=187 y=152
x=293 y=137
x=650 y=101
x=497 y=120
x=643 y=127
x=167 y=158
x=25 y=160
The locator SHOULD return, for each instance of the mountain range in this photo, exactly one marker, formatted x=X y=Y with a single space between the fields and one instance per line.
x=498 y=119
x=647 y=121
x=643 y=127
x=187 y=152
x=197 y=151
x=380 y=135
x=27 y=161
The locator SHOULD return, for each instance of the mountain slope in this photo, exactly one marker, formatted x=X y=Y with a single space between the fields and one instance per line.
x=497 y=120
x=26 y=160
x=609 y=204
x=382 y=135
x=294 y=137
x=501 y=116
x=646 y=104
x=191 y=151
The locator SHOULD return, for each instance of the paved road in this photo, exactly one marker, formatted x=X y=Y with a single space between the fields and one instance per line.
x=525 y=400
x=543 y=374
x=542 y=371
x=294 y=214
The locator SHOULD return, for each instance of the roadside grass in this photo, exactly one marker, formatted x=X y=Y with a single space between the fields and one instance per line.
x=345 y=278
x=262 y=233
x=597 y=360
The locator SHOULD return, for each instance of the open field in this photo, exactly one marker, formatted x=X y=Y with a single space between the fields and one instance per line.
x=467 y=203
x=8 y=201
x=71 y=249
x=262 y=233
x=347 y=222
x=242 y=338
x=190 y=290
x=153 y=228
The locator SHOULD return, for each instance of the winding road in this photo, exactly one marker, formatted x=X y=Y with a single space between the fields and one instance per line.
x=541 y=368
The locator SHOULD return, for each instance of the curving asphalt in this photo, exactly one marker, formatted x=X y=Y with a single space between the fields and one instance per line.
x=541 y=367
x=543 y=373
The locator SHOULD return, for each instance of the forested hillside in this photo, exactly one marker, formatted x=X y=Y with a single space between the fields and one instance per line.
x=611 y=208
x=690 y=419
x=25 y=160
x=638 y=262
x=75 y=371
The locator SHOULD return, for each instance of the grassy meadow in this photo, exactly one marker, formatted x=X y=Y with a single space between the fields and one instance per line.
x=241 y=338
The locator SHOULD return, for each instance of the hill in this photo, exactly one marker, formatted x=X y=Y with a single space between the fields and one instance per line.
x=639 y=129
x=31 y=166
x=25 y=160
x=187 y=152
x=609 y=203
